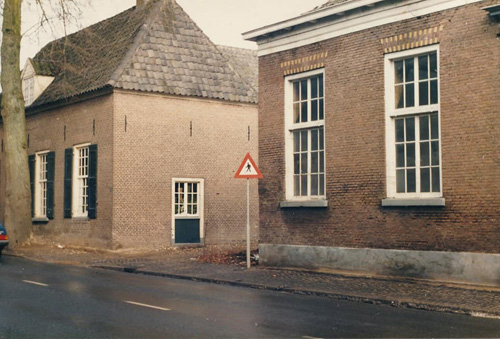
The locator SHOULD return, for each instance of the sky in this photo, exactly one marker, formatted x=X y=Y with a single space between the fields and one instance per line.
x=222 y=20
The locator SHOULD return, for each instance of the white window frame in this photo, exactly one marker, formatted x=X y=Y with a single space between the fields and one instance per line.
x=29 y=90
x=392 y=113
x=77 y=179
x=290 y=127
x=40 y=209
x=201 y=205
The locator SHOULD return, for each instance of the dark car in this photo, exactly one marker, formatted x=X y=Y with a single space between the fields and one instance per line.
x=4 y=238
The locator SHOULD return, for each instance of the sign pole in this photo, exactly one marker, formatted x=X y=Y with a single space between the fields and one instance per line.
x=248 y=223
x=248 y=170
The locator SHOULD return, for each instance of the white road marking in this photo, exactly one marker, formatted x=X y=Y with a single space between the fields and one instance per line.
x=484 y=315
x=146 y=305
x=35 y=283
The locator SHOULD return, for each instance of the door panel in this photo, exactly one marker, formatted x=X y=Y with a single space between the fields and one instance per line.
x=187 y=231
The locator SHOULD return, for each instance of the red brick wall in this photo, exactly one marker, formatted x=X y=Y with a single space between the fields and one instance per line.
x=355 y=143
x=46 y=132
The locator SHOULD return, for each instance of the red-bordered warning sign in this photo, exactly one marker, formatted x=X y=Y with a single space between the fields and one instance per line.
x=248 y=169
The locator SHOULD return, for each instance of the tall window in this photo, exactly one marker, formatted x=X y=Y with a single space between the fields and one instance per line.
x=305 y=149
x=41 y=185
x=81 y=183
x=41 y=168
x=413 y=131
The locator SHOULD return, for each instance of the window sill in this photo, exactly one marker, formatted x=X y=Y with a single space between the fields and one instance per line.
x=306 y=203
x=80 y=218
x=40 y=220
x=394 y=202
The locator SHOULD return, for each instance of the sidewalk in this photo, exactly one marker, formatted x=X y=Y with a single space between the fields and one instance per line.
x=185 y=264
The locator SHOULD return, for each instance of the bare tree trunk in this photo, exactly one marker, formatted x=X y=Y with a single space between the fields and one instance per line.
x=18 y=198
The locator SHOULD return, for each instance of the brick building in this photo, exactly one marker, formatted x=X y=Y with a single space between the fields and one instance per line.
x=136 y=126
x=379 y=133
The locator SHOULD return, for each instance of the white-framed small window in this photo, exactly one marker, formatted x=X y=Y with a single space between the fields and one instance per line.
x=413 y=136
x=29 y=90
x=80 y=189
x=40 y=194
x=304 y=136
x=186 y=199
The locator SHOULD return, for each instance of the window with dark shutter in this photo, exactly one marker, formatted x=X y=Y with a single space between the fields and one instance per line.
x=50 y=184
x=68 y=175
x=92 y=182
x=31 y=162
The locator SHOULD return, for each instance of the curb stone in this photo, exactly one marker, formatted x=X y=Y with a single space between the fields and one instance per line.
x=337 y=296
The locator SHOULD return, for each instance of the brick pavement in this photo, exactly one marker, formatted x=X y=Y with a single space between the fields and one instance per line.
x=185 y=264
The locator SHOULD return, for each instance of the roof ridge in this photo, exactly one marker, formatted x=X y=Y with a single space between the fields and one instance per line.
x=115 y=76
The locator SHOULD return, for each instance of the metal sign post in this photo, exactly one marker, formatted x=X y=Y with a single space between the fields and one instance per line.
x=248 y=170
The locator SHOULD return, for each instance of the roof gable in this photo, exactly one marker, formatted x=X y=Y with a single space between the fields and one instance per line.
x=154 y=48
x=175 y=57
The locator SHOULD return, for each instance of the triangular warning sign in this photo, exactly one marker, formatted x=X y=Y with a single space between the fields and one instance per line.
x=248 y=169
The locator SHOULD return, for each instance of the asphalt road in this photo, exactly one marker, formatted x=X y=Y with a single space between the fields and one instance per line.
x=49 y=301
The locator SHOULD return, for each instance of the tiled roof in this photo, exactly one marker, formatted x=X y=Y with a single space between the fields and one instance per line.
x=244 y=61
x=155 y=48
x=330 y=3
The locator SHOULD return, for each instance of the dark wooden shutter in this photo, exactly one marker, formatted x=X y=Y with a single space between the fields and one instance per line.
x=31 y=163
x=92 y=207
x=50 y=184
x=68 y=176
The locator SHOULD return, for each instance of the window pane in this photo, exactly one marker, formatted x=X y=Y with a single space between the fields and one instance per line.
x=423 y=93
x=436 y=180
x=314 y=87
x=435 y=153
x=296 y=113
x=398 y=95
x=410 y=155
x=296 y=86
x=434 y=126
x=296 y=164
x=400 y=155
x=411 y=181
x=303 y=163
x=195 y=209
x=410 y=95
x=314 y=140
x=322 y=162
x=424 y=154
x=400 y=181
x=321 y=139
x=410 y=129
x=190 y=209
x=195 y=188
x=314 y=110
x=398 y=72
x=434 y=92
x=314 y=184
x=409 y=71
x=314 y=162
x=424 y=127
x=425 y=180
x=423 y=67
x=303 y=90
x=322 y=184
x=320 y=80
x=296 y=185
x=304 y=112
x=433 y=60
x=304 y=185
x=296 y=141
x=321 y=110
x=304 y=140
x=400 y=130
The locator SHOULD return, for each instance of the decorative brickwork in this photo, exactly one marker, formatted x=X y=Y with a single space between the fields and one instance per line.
x=412 y=39
x=308 y=63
